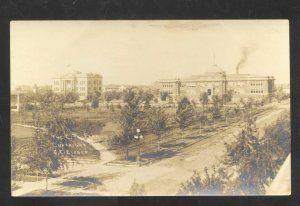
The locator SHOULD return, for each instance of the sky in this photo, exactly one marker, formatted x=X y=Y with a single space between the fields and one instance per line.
x=142 y=52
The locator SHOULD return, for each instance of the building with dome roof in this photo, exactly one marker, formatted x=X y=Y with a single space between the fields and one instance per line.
x=214 y=81
x=82 y=83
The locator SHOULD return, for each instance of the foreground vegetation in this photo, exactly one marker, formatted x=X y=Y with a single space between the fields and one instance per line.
x=249 y=165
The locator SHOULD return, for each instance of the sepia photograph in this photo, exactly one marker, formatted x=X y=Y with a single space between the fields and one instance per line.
x=150 y=108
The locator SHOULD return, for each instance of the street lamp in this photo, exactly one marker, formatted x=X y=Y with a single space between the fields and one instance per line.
x=138 y=137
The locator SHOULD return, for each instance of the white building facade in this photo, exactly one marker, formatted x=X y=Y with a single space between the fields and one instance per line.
x=82 y=83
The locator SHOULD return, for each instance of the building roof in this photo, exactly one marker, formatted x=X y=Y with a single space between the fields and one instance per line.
x=219 y=76
x=214 y=69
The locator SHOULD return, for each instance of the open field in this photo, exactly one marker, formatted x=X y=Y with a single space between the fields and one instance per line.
x=21 y=132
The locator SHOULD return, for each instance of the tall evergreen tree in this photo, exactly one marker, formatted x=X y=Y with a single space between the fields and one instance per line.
x=185 y=113
x=129 y=120
x=253 y=159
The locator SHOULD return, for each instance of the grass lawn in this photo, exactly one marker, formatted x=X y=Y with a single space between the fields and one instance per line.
x=175 y=140
x=22 y=132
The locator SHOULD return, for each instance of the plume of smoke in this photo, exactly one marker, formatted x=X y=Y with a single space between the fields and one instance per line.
x=246 y=51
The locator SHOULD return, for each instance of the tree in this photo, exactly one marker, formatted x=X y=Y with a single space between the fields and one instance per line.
x=184 y=113
x=85 y=127
x=129 y=119
x=228 y=113
x=52 y=137
x=280 y=95
x=163 y=96
x=111 y=95
x=211 y=184
x=49 y=100
x=71 y=97
x=216 y=109
x=137 y=189
x=204 y=99
x=279 y=134
x=157 y=123
x=95 y=100
x=147 y=97
x=123 y=140
x=52 y=145
x=228 y=96
x=252 y=157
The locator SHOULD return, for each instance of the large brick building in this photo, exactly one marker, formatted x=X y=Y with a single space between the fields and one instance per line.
x=216 y=82
x=82 y=83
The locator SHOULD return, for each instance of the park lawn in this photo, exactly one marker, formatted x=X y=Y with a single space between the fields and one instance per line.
x=21 y=132
x=101 y=114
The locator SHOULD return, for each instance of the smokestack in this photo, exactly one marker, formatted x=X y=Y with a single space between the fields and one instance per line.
x=245 y=54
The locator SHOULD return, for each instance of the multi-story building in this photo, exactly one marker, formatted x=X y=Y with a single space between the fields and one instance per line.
x=113 y=88
x=82 y=83
x=216 y=82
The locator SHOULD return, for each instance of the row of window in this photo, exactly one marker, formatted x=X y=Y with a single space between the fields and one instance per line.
x=89 y=88
x=257 y=91
x=167 y=85
x=95 y=82
x=256 y=83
